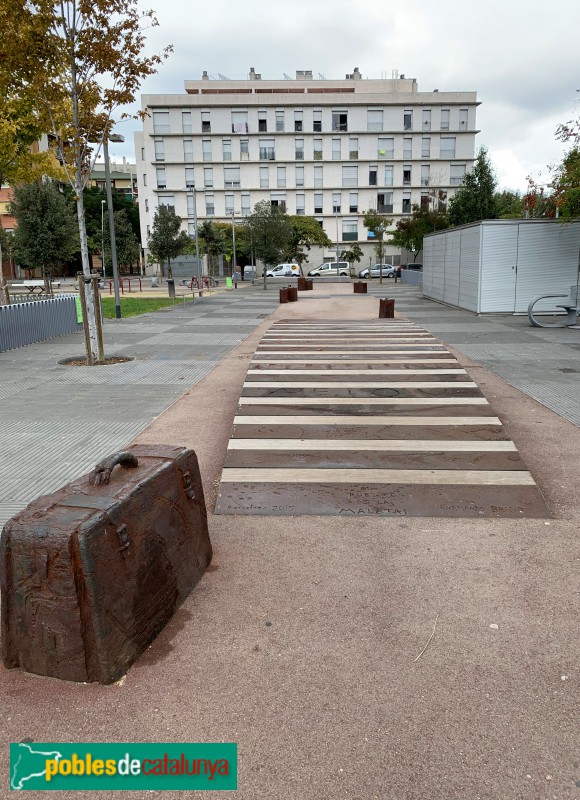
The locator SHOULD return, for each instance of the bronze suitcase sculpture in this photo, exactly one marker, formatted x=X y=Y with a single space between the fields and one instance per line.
x=90 y=574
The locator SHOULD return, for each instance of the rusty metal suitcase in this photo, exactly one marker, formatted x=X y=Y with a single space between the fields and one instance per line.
x=90 y=574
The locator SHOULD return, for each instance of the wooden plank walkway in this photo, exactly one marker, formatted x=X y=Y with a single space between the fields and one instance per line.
x=368 y=418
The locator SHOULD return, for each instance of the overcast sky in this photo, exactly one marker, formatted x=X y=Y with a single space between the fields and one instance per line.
x=521 y=57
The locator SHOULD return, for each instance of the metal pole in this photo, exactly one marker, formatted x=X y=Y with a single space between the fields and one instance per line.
x=234 y=243
x=198 y=265
x=103 y=236
x=112 y=229
x=337 y=257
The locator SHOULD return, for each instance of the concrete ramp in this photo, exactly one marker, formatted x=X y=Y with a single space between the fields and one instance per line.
x=368 y=418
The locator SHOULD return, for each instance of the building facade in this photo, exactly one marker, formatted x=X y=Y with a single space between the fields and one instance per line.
x=330 y=149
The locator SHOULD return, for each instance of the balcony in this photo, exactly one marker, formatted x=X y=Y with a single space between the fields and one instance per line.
x=318 y=155
x=299 y=155
x=447 y=154
x=353 y=155
x=385 y=209
x=425 y=181
x=267 y=154
x=456 y=180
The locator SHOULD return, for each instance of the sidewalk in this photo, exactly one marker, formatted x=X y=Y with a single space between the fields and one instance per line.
x=305 y=642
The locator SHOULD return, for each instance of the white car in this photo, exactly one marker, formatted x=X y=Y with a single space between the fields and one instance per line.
x=375 y=271
x=330 y=268
x=282 y=271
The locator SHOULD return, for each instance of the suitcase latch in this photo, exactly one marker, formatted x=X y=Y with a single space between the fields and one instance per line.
x=188 y=485
x=123 y=537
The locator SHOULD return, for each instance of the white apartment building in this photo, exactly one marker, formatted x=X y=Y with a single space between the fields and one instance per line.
x=330 y=149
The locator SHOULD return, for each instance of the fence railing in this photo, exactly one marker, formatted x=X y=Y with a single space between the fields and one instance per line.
x=26 y=323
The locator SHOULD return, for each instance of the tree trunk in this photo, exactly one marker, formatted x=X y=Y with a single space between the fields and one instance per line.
x=169 y=270
x=91 y=321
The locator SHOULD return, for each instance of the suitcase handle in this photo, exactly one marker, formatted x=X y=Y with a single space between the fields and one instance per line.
x=102 y=472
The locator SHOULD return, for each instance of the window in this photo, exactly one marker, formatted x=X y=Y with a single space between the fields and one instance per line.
x=161 y=122
x=457 y=174
x=444 y=119
x=144 y=179
x=388 y=174
x=336 y=202
x=426 y=147
x=424 y=199
x=300 y=208
x=167 y=200
x=146 y=204
x=262 y=120
x=463 y=113
x=299 y=176
x=353 y=147
x=227 y=149
x=385 y=202
x=208 y=177
x=189 y=177
x=161 y=182
x=267 y=151
x=281 y=177
x=318 y=149
x=229 y=204
x=373 y=175
x=186 y=126
x=336 y=149
x=244 y=149
x=206 y=149
x=190 y=205
x=209 y=205
x=191 y=229
x=349 y=176
x=264 y=180
x=232 y=177
x=425 y=174
x=299 y=149
x=298 y=120
x=148 y=230
x=239 y=122
x=159 y=150
x=188 y=150
x=447 y=147
x=142 y=154
x=406 y=174
x=246 y=204
x=386 y=147
x=407 y=147
x=406 y=203
x=205 y=122
x=317 y=121
x=426 y=119
x=353 y=202
x=279 y=121
x=318 y=176
x=408 y=120
x=318 y=202
x=375 y=119
x=339 y=121
x=278 y=199
x=349 y=230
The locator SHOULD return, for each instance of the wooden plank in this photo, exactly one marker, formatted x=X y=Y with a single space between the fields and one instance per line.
x=359 y=385
x=357 y=373
x=349 y=419
x=378 y=445
x=384 y=477
x=363 y=401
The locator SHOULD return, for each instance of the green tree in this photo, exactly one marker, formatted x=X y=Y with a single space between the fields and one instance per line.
x=167 y=240
x=354 y=254
x=126 y=243
x=566 y=185
x=409 y=231
x=76 y=62
x=271 y=232
x=509 y=204
x=306 y=233
x=475 y=199
x=378 y=225
x=46 y=234
x=212 y=242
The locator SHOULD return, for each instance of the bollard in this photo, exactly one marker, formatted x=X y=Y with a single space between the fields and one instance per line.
x=360 y=287
x=309 y=284
x=171 y=287
x=386 y=308
x=283 y=295
x=292 y=294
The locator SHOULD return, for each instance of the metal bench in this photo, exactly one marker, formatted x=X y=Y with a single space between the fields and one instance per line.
x=570 y=308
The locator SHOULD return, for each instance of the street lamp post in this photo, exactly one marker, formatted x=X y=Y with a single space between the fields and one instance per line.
x=114 y=137
x=337 y=257
x=198 y=266
x=234 y=243
x=103 y=235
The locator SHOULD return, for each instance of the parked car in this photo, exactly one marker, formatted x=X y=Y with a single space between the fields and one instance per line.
x=375 y=271
x=417 y=267
x=282 y=271
x=330 y=268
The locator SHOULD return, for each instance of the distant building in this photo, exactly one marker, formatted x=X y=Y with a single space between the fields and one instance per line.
x=123 y=178
x=330 y=149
